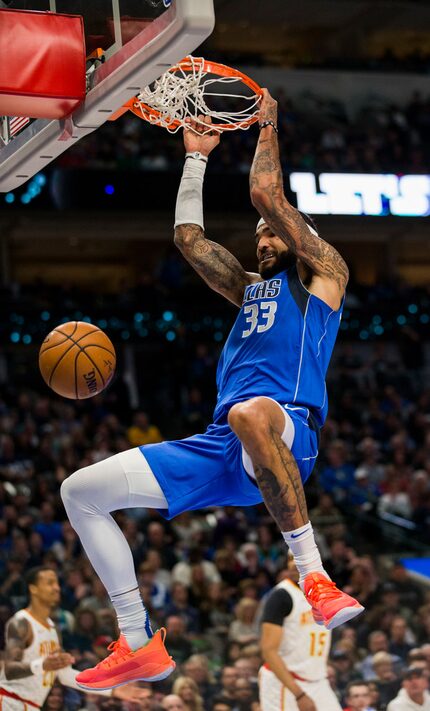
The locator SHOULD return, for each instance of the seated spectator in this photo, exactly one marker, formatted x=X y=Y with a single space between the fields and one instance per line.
x=249 y=560
x=395 y=501
x=55 y=700
x=188 y=528
x=98 y=598
x=413 y=694
x=187 y=689
x=221 y=703
x=375 y=700
x=158 y=592
x=142 y=431
x=340 y=561
x=357 y=696
x=343 y=664
x=215 y=611
x=197 y=667
x=85 y=630
x=179 y=605
x=178 y=644
x=327 y=518
x=377 y=642
x=162 y=575
x=400 y=638
x=244 y=694
x=244 y=628
x=269 y=548
x=173 y=702
x=245 y=669
x=226 y=689
x=364 y=583
x=337 y=477
x=385 y=677
x=182 y=570
x=410 y=593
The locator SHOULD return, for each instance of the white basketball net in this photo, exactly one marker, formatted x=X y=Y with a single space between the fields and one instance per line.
x=182 y=94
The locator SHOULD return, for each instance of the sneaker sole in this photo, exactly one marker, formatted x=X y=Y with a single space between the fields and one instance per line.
x=344 y=615
x=158 y=677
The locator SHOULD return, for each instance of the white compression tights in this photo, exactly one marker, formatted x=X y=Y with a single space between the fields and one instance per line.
x=123 y=481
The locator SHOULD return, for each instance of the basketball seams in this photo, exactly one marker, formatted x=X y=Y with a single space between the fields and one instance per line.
x=97 y=345
x=93 y=362
x=81 y=349
x=72 y=354
x=69 y=337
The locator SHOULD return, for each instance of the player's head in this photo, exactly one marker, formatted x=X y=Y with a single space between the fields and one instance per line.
x=273 y=254
x=43 y=586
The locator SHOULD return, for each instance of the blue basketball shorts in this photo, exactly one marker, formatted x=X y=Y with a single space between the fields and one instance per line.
x=213 y=469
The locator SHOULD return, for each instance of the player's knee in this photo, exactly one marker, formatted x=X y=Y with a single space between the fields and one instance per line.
x=72 y=489
x=249 y=417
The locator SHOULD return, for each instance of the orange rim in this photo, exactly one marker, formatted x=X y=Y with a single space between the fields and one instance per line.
x=153 y=115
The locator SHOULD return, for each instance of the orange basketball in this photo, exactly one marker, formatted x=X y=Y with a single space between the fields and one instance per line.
x=77 y=360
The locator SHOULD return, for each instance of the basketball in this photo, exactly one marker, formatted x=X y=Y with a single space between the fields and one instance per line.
x=77 y=360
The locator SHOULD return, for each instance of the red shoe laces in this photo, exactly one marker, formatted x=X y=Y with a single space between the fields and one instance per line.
x=322 y=588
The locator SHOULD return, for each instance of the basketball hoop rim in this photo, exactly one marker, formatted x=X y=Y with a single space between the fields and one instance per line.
x=143 y=111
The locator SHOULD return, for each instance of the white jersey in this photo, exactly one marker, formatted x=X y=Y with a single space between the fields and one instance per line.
x=304 y=648
x=34 y=688
x=31 y=691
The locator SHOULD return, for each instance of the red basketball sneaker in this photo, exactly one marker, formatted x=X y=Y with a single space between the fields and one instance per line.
x=330 y=606
x=149 y=663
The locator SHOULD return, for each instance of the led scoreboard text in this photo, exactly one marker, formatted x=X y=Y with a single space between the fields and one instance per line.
x=362 y=194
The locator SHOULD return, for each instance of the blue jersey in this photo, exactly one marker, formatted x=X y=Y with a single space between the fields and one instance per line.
x=280 y=346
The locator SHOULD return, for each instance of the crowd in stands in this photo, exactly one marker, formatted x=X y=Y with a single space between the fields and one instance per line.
x=415 y=62
x=204 y=574
x=316 y=134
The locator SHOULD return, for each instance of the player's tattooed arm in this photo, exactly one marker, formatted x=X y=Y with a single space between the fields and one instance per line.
x=267 y=195
x=18 y=637
x=215 y=264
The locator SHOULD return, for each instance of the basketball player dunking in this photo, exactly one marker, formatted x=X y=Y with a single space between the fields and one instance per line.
x=271 y=403
x=295 y=651
x=34 y=658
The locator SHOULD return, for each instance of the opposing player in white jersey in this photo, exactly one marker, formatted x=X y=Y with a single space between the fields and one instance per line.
x=295 y=651
x=34 y=658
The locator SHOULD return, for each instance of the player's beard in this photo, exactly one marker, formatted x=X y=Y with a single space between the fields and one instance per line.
x=282 y=262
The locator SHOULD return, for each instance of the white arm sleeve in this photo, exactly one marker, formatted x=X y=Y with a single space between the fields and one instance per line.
x=189 y=203
x=67 y=676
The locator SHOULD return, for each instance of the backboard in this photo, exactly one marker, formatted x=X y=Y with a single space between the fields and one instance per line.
x=140 y=39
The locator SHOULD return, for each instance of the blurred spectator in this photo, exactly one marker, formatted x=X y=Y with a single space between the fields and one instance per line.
x=187 y=689
x=399 y=634
x=244 y=628
x=413 y=694
x=385 y=677
x=358 y=697
x=142 y=431
x=173 y=702
x=197 y=667
x=178 y=644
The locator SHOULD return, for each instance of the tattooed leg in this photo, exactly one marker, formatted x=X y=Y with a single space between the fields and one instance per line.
x=259 y=424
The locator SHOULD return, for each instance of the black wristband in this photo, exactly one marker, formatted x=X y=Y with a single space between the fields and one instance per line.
x=300 y=696
x=268 y=123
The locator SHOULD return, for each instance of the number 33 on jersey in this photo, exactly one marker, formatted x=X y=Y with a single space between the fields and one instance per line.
x=279 y=346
